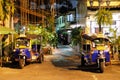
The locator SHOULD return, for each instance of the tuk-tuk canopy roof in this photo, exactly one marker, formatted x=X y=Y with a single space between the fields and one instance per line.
x=95 y=36
x=28 y=36
x=89 y=36
x=22 y=36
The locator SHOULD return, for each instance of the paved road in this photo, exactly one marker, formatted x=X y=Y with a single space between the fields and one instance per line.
x=62 y=65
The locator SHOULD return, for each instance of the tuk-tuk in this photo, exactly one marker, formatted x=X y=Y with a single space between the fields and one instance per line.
x=97 y=51
x=25 y=52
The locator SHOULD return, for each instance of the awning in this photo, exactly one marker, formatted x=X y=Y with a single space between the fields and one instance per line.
x=89 y=37
x=5 y=30
x=33 y=36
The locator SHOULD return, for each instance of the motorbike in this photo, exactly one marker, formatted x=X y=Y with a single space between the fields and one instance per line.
x=25 y=52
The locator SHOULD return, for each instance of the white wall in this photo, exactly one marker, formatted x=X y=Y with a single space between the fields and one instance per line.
x=91 y=22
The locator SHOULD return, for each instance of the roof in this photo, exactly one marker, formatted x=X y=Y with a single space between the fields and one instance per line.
x=33 y=36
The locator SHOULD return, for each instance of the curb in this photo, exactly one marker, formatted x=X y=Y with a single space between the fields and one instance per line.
x=115 y=62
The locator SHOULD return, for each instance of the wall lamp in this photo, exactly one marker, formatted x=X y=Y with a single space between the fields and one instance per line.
x=99 y=2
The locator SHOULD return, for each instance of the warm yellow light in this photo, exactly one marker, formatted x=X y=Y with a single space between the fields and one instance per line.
x=112 y=3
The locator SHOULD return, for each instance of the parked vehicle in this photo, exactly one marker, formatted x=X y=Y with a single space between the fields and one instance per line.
x=26 y=52
x=97 y=51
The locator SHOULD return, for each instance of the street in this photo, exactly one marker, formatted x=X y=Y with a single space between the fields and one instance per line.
x=62 y=65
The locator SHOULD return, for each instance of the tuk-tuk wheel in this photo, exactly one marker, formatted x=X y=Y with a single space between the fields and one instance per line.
x=22 y=63
x=101 y=68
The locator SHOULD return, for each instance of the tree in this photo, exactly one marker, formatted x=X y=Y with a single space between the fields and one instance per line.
x=82 y=11
x=6 y=8
x=118 y=42
x=103 y=17
x=66 y=6
x=46 y=36
x=76 y=36
x=114 y=40
x=82 y=8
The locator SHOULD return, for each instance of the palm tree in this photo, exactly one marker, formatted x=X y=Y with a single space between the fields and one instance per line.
x=6 y=8
x=114 y=40
x=103 y=17
x=76 y=36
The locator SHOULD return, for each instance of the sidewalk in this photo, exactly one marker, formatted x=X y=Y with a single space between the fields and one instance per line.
x=113 y=62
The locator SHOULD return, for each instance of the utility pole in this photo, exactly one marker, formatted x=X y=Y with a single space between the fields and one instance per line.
x=52 y=10
x=42 y=16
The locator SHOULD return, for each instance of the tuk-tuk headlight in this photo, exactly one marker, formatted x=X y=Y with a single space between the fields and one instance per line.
x=29 y=49
x=110 y=52
x=101 y=52
x=92 y=52
x=27 y=45
x=17 y=45
x=14 y=50
x=21 y=50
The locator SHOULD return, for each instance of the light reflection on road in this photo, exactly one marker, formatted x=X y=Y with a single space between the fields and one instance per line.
x=64 y=56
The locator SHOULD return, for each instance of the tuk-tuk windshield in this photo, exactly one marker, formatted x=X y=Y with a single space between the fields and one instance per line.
x=100 y=40
x=22 y=42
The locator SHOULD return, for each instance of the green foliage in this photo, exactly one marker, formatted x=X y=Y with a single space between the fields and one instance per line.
x=54 y=39
x=64 y=33
x=35 y=41
x=103 y=17
x=46 y=36
x=6 y=8
x=50 y=24
x=118 y=40
x=115 y=40
x=76 y=35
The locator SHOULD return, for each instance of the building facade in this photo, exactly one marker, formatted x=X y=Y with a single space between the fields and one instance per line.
x=114 y=7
